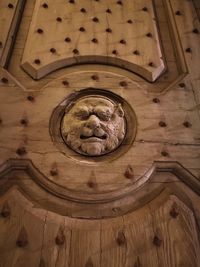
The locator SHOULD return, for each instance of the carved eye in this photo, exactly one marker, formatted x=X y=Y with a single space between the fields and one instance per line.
x=104 y=116
x=82 y=114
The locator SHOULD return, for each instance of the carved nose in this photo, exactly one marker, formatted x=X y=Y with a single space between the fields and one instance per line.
x=93 y=121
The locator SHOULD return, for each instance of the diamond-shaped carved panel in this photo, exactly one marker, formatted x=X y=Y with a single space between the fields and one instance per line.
x=122 y=33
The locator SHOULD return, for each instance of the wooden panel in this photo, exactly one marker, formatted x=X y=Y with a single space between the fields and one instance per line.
x=10 y=13
x=111 y=34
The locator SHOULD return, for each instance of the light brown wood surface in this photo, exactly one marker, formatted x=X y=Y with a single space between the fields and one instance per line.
x=137 y=207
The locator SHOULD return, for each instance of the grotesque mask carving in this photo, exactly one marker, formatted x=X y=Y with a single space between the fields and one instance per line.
x=93 y=126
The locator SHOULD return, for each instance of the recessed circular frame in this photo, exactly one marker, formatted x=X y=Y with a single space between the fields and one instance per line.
x=93 y=125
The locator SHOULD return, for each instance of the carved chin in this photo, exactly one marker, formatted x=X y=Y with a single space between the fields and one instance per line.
x=92 y=149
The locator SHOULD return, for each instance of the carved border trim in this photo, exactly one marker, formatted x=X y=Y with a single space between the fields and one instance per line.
x=48 y=195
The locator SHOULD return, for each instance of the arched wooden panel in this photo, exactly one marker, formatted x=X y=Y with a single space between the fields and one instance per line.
x=116 y=33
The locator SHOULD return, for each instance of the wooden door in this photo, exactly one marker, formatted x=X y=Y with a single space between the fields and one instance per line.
x=99 y=133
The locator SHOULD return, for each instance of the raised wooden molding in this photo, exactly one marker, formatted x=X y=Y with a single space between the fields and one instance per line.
x=97 y=34
x=10 y=16
x=29 y=180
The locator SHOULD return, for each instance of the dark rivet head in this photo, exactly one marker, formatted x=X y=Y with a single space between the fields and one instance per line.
x=21 y=151
x=108 y=11
x=40 y=31
x=24 y=122
x=65 y=83
x=75 y=51
x=156 y=100
x=119 y=3
x=30 y=98
x=109 y=30
x=145 y=8
x=95 y=19
x=67 y=40
x=91 y=184
x=5 y=212
x=174 y=212
x=149 y=35
x=196 y=31
x=10 y=5
x=129 y=21
x=157 y=241
x=4 y=80
x=60 y=238
x=188 y=50
x=182 y=85
x=122 y=41
x=151 y=64
x=121 y=239
x=164 y=153
x=187 y=124
x=59 y=19
x=1 y=121
x=136 y=52
x=162 y=124
x=22 y=240
x=116 y=210
x=114 y=52
x=178 y=13
x=94 y=40
x=37 y=61
x=129 y=173
x=53 y=50
x=1 y=44
x=95 y=77
x=83 y=10
x=82 y=29
x=44 y=5
x=71 y=1
x=89 y=263
x=123 y=84
x=54 y=172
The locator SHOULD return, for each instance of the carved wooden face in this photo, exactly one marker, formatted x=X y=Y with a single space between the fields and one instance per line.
x=94 y=126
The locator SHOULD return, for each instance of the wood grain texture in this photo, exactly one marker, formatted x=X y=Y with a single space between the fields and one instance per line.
x=10 y=15
x=93 y=36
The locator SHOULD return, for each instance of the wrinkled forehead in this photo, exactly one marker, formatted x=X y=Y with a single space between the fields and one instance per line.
x=93 y=102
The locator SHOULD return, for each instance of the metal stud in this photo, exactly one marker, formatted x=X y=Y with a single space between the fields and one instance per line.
x=109 y=30
x=178 y=13
x=157 y=241
x=82 y=29
x=21 y=151
x=108 y=11
x=75 y=51
x=129 y=173
x=83 y=10
x=123 y=84
x=4 y=80
x=187 y=124
x=67 y=40
x=156 y=100
x=95 y=19
x=22 y=240
x=188 y=50
x=37 y=61
x=44 y=5
x=53 y=50
x=40 y=31
x=196 y=31
x=30 y=98
x=59 y=19
x=6 y=211
x=121 y=239
x=10 y=6
x=162 y=124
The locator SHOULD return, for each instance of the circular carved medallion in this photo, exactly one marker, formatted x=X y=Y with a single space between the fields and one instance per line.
x=93 y=123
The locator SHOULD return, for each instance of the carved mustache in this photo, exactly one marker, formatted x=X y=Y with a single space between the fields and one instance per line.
x=97 y=132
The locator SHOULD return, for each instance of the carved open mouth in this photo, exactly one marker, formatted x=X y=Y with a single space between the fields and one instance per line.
x=93 y=137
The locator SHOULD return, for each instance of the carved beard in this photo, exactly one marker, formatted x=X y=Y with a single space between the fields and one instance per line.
x=73 y=139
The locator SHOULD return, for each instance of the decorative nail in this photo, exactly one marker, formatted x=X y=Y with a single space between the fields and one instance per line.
x=95 y=77
x=174 y=212
x=40 y=31
x=156 y=100
x=65 y=83
x=121 y=239
x=30 y=98
x=59 y=19
x=6 y=211
x=187 y=124
x=4 y=80
x=21 y=151
x=22 y=240
x=182 y=85
x=129 y=173
x=162 y=124
x=60 y=238
x=123 y=84
x=44 y=5
x=67 y=40
x=37 y=61
x=157 y=241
